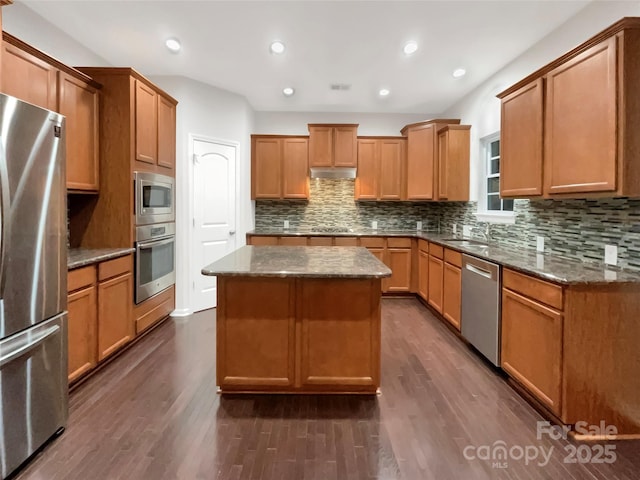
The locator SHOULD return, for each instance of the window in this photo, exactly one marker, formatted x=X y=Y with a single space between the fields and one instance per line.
x=491 y=206
x=492 y=169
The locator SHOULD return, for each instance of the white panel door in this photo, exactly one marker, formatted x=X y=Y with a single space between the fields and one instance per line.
x=214 y=197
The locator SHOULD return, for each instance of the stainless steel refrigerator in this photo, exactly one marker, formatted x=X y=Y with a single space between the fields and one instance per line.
x=33 y=280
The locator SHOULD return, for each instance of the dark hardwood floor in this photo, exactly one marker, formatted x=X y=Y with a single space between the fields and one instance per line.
x=154 y=414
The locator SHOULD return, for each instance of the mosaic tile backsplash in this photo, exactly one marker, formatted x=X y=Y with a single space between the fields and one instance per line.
x=577 y=229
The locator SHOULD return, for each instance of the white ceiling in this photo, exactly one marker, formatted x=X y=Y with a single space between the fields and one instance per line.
x=226 y=44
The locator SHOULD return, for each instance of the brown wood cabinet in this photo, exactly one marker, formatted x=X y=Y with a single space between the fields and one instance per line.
x=381 y=168
x=279 y=167
x=532 y=347
x=146 y=125
x=423 y=269
x=166 y=135
x=422 y=158
x=33 y=76
x=586 y=99
x=398 y=259
x=452 y=287
x=453 y=167
x=436 y=276
x=100 y=320
x=521 y=141
x=333 y=145
x=78 y=102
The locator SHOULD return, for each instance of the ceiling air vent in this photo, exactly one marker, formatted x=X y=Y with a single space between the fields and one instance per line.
x=340 y=86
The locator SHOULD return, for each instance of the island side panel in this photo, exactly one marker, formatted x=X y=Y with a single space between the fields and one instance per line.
x=339 y=335
x=255 y=334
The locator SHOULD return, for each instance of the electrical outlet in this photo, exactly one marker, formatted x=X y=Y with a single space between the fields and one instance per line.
x=374 y=225
x=286 y=224
x=540 y=243
x=466 y=230
x=455 y=228
x=540 y=261
x=418 y=225
x=611 y=254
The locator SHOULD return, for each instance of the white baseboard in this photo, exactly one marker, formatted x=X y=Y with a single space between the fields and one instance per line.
x=181 y=312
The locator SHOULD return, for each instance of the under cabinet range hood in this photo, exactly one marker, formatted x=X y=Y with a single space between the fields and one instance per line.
x=333 y=172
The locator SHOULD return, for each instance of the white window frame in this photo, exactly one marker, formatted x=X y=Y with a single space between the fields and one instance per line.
x=484 y=214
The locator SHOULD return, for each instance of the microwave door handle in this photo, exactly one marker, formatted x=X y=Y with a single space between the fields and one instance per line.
x=155 y=243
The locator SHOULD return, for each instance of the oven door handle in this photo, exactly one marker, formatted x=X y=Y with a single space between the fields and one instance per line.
x=155 y=243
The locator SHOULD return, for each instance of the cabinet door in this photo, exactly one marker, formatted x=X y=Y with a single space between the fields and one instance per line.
x=420 y=162
x=392 y=161
x=78 y=102
x=115 y=322
x=267 y=168
x=532 y=347
x=367 y=173
x=28 y=78
x=435 y=282
x=451 y=294
x=443 y=160
x=521 y=142
x=320 y=146
x=166 y=134
x=82 y=326
x=423 y=274
x=295 y=166
x=399 y=261
x=580 y=133
x=146 y=124
x=345 y=146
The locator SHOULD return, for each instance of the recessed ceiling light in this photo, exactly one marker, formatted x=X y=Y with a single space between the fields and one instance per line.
x=384 y=92
x=277 y=47
x=288 y=91
x=459 y=72
x=410 y=48
x=173 y=44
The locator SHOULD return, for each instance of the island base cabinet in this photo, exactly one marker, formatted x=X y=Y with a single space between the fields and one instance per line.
x=280 y=335
x=340 y=340
x=532 y=347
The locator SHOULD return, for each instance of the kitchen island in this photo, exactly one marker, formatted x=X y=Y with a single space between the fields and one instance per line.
x=298 y=320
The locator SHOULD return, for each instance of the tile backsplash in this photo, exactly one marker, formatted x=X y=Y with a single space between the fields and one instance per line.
x=576 y=229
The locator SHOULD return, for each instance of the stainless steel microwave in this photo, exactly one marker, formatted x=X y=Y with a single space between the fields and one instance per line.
x=154 y=198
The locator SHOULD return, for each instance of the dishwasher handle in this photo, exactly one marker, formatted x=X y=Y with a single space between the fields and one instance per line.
x=478 y=271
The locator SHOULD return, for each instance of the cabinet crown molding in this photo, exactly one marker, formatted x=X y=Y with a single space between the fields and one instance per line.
x=448 y=121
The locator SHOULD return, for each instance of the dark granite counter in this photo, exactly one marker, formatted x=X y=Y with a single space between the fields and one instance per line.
x=307 y=262
x=81 y=257
x=545 y=266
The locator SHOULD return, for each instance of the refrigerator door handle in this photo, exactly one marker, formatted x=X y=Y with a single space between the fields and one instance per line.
x=32 y=345
x=4 y=214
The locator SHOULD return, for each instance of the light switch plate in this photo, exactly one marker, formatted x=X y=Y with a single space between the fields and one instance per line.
x=374 y=224
x=418 y=225
x=455 y=228
x=286 y=224
x=539 y=243
x=466 y=230
x=611 y=254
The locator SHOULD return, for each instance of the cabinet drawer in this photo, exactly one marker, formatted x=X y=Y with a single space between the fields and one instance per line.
x=293 y=241
x=376 y=242
x=547 y=293
x=262 y=240
x=81 y=277
x=453 y=257
x=393 y=242
x=436 y=251
x=423 y=245
x=320 y=241
x=115 y=267
x=345 y=241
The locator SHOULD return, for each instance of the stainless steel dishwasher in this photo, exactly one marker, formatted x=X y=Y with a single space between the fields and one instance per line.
x=480 y=317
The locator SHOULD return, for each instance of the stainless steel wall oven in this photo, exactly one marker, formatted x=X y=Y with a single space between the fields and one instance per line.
x=155 y=259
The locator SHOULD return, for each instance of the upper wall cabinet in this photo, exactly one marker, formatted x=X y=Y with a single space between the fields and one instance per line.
x=333 y=145
x=569 y=130
x=381 y=168
x=423 y=162
x=34 y=77
x=453 y=163
x=279 y=167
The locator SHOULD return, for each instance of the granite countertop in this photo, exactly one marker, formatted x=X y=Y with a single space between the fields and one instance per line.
x=545 y=266
x=81 y=257
x=307 y=262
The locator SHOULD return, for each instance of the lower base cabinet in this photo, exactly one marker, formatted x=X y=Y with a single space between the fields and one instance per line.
x=100 y=313
x=452 y=287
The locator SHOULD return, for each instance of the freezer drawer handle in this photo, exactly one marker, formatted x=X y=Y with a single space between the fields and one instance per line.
x=29 y=346
x=479 y=271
